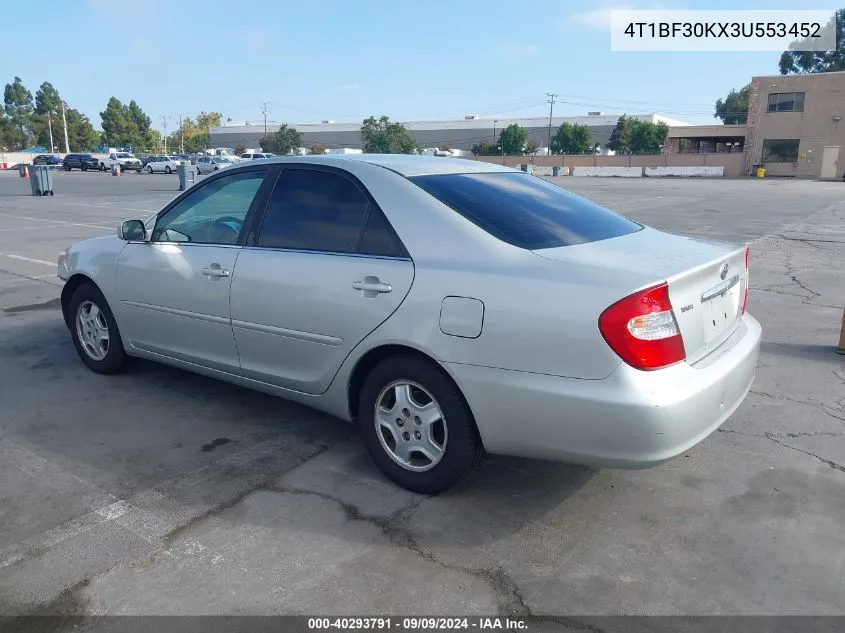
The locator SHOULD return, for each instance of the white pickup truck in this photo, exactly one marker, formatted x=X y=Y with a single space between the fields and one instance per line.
x=125 y=160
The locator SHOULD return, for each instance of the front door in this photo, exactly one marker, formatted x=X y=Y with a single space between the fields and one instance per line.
x=326 y=270
x=173 y=290
x=830 y=162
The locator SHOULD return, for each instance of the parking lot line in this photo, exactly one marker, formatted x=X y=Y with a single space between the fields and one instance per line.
x=62 y=222
x=29 y=259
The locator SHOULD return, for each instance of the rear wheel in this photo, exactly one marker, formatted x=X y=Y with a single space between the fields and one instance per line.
x=84 y=167
x=102 y=167
x=417 y=426
x=94 y=331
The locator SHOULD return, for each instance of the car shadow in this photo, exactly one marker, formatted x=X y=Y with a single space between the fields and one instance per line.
x=804 y=351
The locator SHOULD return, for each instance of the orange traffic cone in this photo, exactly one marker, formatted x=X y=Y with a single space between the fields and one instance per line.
x=25 y=171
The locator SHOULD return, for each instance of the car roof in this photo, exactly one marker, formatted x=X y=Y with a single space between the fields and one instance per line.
x=404 y=164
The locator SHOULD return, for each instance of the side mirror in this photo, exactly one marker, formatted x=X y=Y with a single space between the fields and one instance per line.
x=132 y=231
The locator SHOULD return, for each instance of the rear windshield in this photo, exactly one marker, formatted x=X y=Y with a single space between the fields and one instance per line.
x=524 y=210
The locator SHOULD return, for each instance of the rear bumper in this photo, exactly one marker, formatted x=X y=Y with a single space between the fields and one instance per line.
x=632 y=419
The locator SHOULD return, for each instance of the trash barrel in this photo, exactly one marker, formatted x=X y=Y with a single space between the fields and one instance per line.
x=41 y=180
x=187 y=175
x=555 y=171
x=524 y=167
x=760 y=170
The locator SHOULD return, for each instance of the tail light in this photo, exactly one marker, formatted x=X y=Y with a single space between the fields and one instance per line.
x=642 y=329
x=745 y=296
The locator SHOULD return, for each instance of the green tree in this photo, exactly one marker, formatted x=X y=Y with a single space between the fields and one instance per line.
x=734 y=108
x=620 y=138
x=485 y=149
x=531 y=147
x=17 y=101
x=47 y=99
x=317 y=149
x=806 y=62
x=513 y=139
x=11 y=138
x=380 y=136
x=81 y=133
x=284 y=141
x=194 y=132
x=119 y=129
x=647 y=137
x=572 y=139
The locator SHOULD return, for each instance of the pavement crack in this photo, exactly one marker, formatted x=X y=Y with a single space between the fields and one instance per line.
x=827 y=462
x=509 y=600
x=807 y=240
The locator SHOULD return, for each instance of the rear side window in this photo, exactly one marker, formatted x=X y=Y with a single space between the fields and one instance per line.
x=314 y=210
x=317 y=210
x=524 y=210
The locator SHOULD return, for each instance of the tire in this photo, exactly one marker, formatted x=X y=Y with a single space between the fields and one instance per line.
x=51 y=192
x=84 y=167
x=167 y=170
x=114 y=360
x=68 y=168
x=149 y=169
x=461 y=446
x=102 y=167
x=122 y=170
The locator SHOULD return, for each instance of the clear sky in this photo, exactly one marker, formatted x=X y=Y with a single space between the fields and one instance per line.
x=344 y=60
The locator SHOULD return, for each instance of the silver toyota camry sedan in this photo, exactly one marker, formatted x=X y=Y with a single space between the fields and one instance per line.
x=449 y=308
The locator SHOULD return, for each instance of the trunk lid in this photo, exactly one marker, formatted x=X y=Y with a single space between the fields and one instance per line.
x=707 y=279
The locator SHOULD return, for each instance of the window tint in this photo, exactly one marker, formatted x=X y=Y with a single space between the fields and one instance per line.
x=786 y=102
x=314 y=210
x=379 y=238
x=214 y=213
x=524 y=210
x=780 y=150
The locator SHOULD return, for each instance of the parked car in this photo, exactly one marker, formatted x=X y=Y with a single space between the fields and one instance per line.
x=124 y=160
x=46 y=159
x=145 y=160
x=450 y=308
x=80 y=161
x=208 y=164
x=256 y=155
x=163 y=164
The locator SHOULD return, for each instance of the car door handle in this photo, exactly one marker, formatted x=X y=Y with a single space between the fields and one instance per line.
x=371 y=284
x=215 y=271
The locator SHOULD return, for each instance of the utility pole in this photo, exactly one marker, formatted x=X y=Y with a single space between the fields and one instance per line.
x=495 y=121
x=551 y=109
x=50 y=127
x=64 y=121
x=181 y=136
x=265 y=108
x=164 y=123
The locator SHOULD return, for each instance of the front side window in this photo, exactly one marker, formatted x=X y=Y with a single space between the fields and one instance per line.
x=213 y=214
x=780 y=150
x=786 y=102
x=525 y=211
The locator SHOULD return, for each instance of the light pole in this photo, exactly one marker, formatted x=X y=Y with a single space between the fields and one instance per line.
x=64 y=122
x=495 y=121
x=50 y=127
x=551 y=109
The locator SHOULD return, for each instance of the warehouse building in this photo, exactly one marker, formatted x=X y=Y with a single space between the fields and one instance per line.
x=456 y=134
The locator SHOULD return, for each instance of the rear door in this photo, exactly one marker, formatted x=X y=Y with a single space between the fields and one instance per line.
x=323 y=270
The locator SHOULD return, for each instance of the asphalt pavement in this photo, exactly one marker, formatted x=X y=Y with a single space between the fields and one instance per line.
x=162 y=492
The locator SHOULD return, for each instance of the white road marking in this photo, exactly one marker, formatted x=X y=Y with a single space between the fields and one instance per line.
x=29 y=259
x=130 y=513
x=30 y=228
x=62 y=222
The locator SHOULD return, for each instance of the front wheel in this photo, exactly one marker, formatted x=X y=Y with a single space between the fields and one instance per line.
x=149 y=169
x=417 y=426
x=94 y=331
x=84 y=167
x=102 y=167
x=167 y=170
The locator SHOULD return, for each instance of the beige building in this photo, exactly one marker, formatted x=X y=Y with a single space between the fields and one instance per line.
x=795 y=125
x=794 y=128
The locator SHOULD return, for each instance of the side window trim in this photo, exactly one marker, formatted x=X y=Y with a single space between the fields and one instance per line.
x=252 y=242
x=259 y=201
